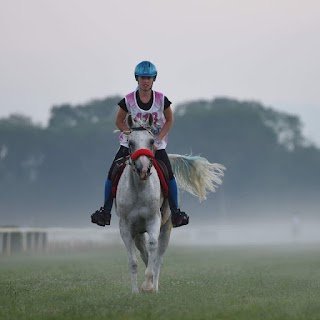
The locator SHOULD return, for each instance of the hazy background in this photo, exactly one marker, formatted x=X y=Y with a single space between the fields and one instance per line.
x=67 y=63
x=55 y=52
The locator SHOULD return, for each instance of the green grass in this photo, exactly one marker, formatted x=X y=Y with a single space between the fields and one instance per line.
x=204 y=283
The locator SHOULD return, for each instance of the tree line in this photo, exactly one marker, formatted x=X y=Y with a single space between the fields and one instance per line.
x=54 y=175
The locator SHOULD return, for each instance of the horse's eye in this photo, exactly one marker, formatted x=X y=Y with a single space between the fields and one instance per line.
x=152 y=142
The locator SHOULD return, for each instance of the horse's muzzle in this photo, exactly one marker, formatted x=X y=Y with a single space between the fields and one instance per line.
x=142 y=161
x=142 y=165
x=144 y=173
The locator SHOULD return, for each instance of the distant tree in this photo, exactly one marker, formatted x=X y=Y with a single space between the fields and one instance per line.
x=16 y=120
x=95 y=112
x=62 y=168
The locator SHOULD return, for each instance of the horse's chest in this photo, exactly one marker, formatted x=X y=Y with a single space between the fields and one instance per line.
x=138 y=203
x=138 y=198
x=137 y=207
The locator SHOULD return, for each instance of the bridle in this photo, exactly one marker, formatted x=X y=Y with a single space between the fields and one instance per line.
x=137 y=154
x=141 y=152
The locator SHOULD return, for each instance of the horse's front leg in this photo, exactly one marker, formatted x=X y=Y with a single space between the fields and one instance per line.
x=132 y=258
x=153 y=230
x=162 y=247
x=140 y=241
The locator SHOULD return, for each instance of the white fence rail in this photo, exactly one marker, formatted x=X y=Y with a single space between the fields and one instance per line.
x=17 y=240
x=14 y=240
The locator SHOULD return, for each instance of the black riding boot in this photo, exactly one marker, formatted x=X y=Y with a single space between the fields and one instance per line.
x=178 y=217
x=102 y=217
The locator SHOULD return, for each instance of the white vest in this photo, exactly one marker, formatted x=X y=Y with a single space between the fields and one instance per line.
x=156 y=110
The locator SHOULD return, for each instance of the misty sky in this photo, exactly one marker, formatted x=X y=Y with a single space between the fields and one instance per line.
x=71 y=51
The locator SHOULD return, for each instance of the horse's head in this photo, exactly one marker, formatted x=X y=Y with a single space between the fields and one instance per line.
x=141 y=142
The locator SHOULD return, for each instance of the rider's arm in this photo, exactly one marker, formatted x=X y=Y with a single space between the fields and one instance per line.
x=120 y=123
x=167 y=126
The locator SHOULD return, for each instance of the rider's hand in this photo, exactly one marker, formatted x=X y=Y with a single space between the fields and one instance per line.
x=156 y=144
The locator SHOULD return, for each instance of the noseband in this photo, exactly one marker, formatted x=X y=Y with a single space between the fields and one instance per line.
x=142 y=152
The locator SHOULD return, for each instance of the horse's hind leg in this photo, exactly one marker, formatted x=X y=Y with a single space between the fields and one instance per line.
x=140 y=241
x=132 y=259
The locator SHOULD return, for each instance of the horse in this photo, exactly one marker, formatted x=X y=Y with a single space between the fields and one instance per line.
x=143 y=211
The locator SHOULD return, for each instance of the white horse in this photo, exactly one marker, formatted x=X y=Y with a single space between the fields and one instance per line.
x=144 y=214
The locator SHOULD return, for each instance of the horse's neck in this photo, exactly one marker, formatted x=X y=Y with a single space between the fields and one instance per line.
x=137 y=194
x=133 y=178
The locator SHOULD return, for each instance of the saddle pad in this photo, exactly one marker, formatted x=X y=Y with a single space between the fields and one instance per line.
x=161 y=175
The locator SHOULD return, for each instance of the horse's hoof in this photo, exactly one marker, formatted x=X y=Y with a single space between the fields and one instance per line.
x=147 y=288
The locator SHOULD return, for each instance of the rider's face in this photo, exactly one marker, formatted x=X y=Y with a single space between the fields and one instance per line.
x=145 y=83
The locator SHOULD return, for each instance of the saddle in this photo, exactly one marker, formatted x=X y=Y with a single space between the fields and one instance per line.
x=158 y=165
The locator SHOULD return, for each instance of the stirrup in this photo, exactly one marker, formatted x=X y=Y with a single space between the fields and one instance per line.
x=101 y=217
x=179 y=218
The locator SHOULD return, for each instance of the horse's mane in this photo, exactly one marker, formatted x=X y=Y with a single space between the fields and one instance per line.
x=140 y=128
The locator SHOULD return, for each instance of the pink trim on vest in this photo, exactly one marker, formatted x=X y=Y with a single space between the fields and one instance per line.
x=159 y=98
x=131 y=98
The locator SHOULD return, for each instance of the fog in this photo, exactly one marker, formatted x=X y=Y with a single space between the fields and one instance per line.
x=214 y=221
x=267 y=229
x=293 y=231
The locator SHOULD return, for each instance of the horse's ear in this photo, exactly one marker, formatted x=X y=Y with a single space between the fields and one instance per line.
x=129 y=121
x=150 y=119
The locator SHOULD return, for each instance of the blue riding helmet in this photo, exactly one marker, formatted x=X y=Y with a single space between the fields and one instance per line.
x=145 y=69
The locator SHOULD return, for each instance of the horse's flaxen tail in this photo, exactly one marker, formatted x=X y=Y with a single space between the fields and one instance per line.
x=196 y=174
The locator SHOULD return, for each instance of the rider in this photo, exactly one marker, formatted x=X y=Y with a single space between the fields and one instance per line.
x=140 y=103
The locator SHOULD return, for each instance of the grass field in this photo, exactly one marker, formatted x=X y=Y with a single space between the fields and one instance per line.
x=196 y=283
